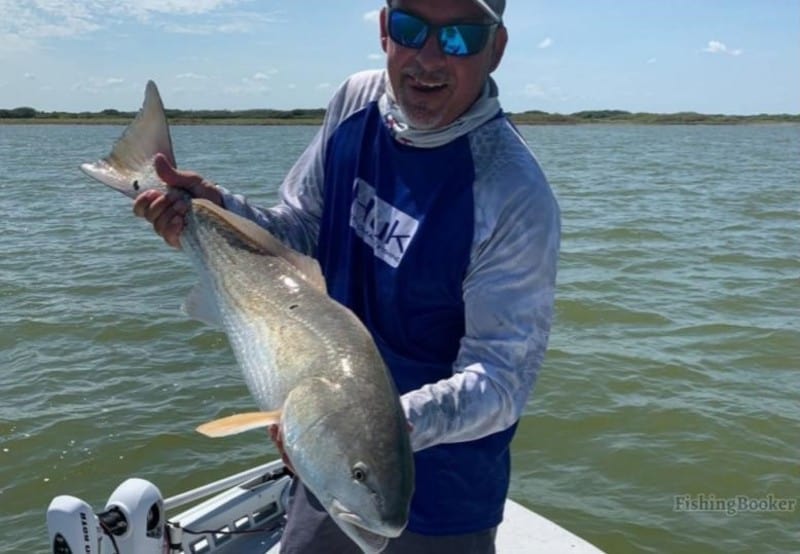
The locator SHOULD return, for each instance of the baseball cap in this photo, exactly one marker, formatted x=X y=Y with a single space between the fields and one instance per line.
x=493 y=7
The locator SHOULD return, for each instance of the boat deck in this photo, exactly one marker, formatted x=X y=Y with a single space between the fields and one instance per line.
x=254 y=511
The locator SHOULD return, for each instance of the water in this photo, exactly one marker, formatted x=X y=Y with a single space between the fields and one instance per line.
x=672 y=370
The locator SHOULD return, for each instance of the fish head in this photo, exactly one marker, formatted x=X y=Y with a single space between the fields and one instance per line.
x=361 y=474
x=370 y=503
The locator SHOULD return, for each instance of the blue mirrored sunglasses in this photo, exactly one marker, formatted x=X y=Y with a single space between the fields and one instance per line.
x=455 y=39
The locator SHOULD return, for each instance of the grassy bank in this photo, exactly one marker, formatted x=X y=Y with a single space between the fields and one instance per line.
x=314 y=117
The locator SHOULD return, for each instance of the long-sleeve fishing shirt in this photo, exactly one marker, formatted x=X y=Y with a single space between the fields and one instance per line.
x=445 y=244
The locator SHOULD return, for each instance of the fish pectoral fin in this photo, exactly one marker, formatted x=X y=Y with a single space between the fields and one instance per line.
x=200 y=305
x=310 y=270
x=239 y=423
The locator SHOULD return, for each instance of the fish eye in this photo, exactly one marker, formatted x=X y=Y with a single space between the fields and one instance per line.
x=359 y=472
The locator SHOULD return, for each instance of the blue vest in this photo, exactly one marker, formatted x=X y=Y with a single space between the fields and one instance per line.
x=394 y=246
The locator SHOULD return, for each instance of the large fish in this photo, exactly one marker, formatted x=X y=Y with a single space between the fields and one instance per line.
x=308 y=361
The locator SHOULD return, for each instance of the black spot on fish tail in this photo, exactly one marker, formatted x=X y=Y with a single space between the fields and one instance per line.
x=136 y=184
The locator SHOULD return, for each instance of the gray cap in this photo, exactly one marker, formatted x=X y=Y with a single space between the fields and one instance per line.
x=493 y=7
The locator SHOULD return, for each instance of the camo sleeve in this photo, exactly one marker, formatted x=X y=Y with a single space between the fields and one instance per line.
x=295 y=220
x=508 y=295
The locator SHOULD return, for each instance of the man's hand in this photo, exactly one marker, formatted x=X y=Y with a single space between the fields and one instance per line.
x=277 y=437
x=166 y=211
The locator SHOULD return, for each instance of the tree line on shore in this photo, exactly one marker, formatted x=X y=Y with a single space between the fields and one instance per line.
x=256 y=116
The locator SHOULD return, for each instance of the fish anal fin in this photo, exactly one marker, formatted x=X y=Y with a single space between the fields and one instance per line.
x=239 y=423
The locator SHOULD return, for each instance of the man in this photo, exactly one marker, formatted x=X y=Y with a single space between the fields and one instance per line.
x=433 y=222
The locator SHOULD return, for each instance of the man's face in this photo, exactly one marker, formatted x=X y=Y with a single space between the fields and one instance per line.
x=432 y=88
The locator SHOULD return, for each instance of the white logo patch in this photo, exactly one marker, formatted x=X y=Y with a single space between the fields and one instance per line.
x=385 y=228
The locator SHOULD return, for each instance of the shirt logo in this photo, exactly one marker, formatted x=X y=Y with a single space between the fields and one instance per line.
x=385 y=228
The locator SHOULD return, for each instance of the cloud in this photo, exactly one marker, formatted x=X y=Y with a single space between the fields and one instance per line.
x=376 y=56
x=534 y=90
x=549 y=92
x=168 y=6
x=24 y=25
x=651 y=61
x=324 y=86
x=192 y=76
x=98 y=85
x=29 y=76
x=250 y=85
x=372 y=16
x=546 y=43
x=261 y=76
x=717 y=47
x=239 y=23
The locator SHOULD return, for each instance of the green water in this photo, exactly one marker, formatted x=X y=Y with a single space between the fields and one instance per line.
x=672 y=370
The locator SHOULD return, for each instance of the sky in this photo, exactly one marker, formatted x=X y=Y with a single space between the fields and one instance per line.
x=563 y=56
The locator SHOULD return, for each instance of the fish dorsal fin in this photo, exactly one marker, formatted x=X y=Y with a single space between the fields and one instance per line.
x=200 y=305
x=131 y=158
x=239 y=423
x=254 y=237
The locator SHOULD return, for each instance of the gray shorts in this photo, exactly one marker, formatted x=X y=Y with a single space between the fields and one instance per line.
x=310 y=530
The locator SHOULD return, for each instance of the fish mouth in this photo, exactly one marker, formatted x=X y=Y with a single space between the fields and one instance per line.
x=355 y=527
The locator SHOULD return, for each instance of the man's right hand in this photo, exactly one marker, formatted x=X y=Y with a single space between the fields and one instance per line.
x=166 y=211
x=277 y=437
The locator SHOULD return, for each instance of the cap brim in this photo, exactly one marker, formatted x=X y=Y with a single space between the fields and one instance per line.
x=489 y=10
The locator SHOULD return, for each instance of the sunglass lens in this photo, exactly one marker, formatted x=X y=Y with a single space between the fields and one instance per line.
x=463 y=40
x=407 y=30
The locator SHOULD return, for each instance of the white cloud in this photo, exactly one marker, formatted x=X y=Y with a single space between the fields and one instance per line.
x=717 y=47
x=168 y=6
x=534 y=91
x=192 y=76
x=546 y=43
x=323 y=86
x=651 y=61
x=376 y=56
x=547 y=91
x=98 y=85
x=256 y=84
x=29 y=76
x=24 y=24
x=228 y=24
x=261 y=76
x=372 y=16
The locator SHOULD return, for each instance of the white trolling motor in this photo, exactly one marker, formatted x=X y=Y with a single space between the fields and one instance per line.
x=243 y=509
x=133 y=522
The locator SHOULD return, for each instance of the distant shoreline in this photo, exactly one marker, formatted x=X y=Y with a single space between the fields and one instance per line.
x=27 y=116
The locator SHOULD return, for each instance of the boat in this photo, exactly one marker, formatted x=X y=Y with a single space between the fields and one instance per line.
x=242 y=513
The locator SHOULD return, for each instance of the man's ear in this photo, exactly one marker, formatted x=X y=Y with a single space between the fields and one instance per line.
x=384 y=32
x=499 y=46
